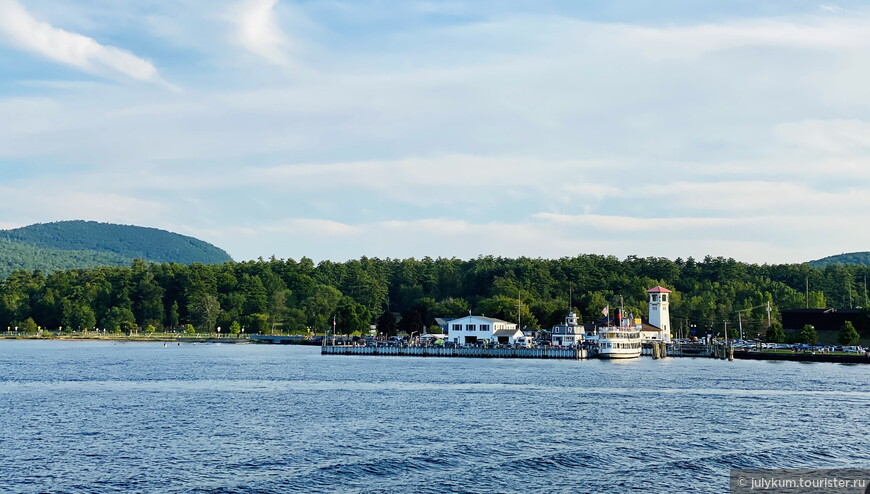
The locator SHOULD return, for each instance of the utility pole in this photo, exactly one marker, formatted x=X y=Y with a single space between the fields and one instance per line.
x=726 y=331
x=865 y=290
x=519 y=310
x=740 y=323
x=768 y=314
x=808 y=291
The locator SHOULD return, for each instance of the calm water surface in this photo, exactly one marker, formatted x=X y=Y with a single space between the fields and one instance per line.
x=94 y=417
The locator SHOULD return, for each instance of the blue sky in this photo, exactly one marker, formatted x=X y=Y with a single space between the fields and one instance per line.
x=336 y=129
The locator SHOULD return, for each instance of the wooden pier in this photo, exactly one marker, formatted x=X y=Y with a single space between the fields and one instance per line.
x=475 y=352
x=658 y=350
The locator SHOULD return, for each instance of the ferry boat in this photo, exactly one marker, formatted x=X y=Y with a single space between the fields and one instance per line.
x=623 y=341
x=619 y=342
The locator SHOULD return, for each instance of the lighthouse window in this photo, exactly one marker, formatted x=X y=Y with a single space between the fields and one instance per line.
x=664 y=298
x=655 y=297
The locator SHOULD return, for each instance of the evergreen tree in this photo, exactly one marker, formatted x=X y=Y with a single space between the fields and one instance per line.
x=29 y=326
x=808 y=335
x=412 y=321
x=387 y=324
x=775 y=333
x=848 y=335
x=173 y=319
x=351 y=317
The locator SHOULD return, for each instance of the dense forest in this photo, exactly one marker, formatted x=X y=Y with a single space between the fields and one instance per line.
x=86 y=244
x=16 y=255
x=298 y=296
x=862 y=258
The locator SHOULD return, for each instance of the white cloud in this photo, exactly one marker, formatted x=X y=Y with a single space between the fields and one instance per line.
x=836 y=136
x=546 y=235
x=20 y=28
x=447 y=138
x=314 y=227
x=55 y=203
x=258 y=31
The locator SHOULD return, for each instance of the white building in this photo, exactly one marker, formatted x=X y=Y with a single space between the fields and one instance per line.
x=648 y=332
x=659 y=314
x=471 y=329
x=570 y=333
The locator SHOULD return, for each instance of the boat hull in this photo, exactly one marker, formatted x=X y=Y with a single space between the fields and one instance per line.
x=618 y=355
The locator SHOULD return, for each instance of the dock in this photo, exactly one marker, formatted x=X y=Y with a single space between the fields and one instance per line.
x=472 y=352
x=658 y=350
x=277 y=339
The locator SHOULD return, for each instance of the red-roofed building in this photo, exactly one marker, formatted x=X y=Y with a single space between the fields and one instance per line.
x=658 y=289
x=659 y=314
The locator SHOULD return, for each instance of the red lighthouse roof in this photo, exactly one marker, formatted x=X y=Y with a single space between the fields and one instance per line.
x=658 y=289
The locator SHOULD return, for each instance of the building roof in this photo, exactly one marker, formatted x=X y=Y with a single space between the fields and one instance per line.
x=649 y=327
x=482 y=318
x=658 y=289
x=506 y=332
x=820 y=311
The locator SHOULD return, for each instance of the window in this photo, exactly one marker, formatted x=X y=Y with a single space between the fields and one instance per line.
x=484 y=327
x=655 y=297
x=470 y=327
x=457 y=327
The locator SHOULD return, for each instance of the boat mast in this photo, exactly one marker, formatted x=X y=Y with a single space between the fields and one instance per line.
x=621 y=311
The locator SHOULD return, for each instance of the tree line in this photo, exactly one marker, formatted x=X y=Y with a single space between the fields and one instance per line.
x=407 y=294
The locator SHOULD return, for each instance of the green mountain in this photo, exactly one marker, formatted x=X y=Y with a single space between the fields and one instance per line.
x=85 y=244
x=860 y=258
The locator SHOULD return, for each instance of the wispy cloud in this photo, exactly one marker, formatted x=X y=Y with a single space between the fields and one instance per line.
x=21 y=29
x=258 y=31
x=439 y=128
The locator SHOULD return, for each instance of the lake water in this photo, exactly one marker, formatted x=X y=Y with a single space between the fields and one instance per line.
x=94 y=417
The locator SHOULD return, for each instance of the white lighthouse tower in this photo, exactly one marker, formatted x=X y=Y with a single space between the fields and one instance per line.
x=659 y=315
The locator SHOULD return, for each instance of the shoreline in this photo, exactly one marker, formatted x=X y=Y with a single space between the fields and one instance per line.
x=155 y=339
x=247 y=340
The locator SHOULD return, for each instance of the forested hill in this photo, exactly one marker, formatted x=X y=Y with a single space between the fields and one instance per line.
x=861 y=258
x=84 y=244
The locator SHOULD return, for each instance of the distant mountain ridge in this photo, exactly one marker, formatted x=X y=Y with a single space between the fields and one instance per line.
x=861 y=258
x=84 y=244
